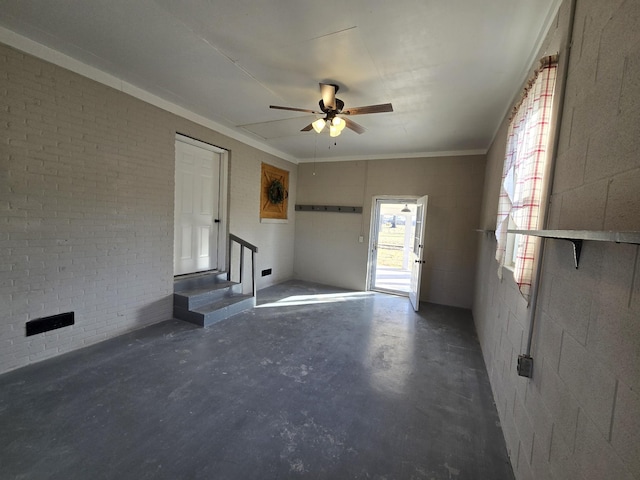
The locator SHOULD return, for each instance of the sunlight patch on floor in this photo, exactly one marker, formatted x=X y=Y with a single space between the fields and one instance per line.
x=296 y=300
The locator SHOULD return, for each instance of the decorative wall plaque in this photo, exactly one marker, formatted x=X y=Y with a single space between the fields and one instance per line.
x=274 y=193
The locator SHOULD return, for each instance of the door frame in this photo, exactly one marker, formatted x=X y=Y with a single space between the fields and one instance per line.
x=418 y=252
x=373 y=233
x=223 y=193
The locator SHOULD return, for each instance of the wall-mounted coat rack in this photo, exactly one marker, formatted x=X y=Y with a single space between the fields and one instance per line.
x=328 y=208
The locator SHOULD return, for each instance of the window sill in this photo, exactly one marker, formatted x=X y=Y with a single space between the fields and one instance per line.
x=510 y=268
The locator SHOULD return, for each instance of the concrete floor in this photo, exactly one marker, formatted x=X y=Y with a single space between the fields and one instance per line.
x=314 y=383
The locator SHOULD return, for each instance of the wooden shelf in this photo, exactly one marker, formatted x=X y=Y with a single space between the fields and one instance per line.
x=576 y=237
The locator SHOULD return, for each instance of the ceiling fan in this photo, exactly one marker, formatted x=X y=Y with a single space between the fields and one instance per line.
x=331 y=107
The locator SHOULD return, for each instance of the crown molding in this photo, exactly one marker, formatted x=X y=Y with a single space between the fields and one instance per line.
x=62 y=60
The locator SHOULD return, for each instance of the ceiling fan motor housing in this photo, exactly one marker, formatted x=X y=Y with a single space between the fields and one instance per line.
x=332 y=113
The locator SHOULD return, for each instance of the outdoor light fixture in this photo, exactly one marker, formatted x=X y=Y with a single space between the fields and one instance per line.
x=406 y=209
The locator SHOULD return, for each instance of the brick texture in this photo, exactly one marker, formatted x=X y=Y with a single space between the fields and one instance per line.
x=86 y=208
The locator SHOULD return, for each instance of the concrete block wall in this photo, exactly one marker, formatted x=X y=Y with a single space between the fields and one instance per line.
x=578 y=417
x=327 y=248
x=86 y=208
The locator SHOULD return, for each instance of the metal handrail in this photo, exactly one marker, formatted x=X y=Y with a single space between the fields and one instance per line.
x=243 y=244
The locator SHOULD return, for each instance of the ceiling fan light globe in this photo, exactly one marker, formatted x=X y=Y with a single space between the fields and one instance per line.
x=339 y=123
x=333 y=131
x=319 y=124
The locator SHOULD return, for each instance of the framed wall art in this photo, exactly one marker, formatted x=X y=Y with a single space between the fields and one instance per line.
x=274 y=193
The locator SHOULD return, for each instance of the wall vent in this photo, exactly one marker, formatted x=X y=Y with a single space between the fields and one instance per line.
x=44 y=324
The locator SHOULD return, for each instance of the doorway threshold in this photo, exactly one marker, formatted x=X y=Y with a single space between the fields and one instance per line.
x=394 y=280
x=203 y=273
x=397 y=293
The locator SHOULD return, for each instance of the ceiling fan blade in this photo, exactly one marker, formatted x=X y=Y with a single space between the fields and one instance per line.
x=328 y=93
x=307 y=128
x=359 y=129
x=293 y=109
x=383 y=107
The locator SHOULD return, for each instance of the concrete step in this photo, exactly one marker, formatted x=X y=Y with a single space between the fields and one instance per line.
x=207 y=298
x=198 y=280
x=200 y=294
x=216 y=311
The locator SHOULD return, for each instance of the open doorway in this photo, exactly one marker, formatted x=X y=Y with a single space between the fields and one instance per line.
x=393 y=223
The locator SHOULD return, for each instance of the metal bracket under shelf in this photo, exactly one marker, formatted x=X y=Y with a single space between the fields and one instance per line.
x=328 y=208
x=577 y=249
x=576 y=237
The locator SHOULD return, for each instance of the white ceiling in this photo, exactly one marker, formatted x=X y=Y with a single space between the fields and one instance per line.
x=450 y=68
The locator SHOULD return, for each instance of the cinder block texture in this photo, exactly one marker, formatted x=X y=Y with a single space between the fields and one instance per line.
x=86 y=207
x=595 y=456
x=582 y=403
x=626 y=424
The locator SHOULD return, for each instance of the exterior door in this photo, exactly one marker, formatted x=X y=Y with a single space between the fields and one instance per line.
x=417 y=252
x=197 y=201
x=392 y=235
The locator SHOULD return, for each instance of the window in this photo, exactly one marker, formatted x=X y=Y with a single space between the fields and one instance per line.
x=523 y=177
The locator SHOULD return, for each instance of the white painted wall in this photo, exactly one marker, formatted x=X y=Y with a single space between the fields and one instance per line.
x=579 y=417
x=86 y=208
x=326 y=244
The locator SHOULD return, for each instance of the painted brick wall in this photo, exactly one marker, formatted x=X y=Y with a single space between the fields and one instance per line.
x=86 y=208
x=579 y=417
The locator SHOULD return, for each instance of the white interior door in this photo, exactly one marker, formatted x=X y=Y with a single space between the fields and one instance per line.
x=197 y=203
x=417 y=252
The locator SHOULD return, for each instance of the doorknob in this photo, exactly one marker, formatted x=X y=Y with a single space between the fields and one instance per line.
x=217 y=220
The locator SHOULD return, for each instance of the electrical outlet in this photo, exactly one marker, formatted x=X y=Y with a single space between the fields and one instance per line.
x=361 y=239
x=525 y=366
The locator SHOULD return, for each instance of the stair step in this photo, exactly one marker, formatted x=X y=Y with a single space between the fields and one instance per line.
x=198 y=280
x=199 y=295
x=207 y=298
x=216 y=311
